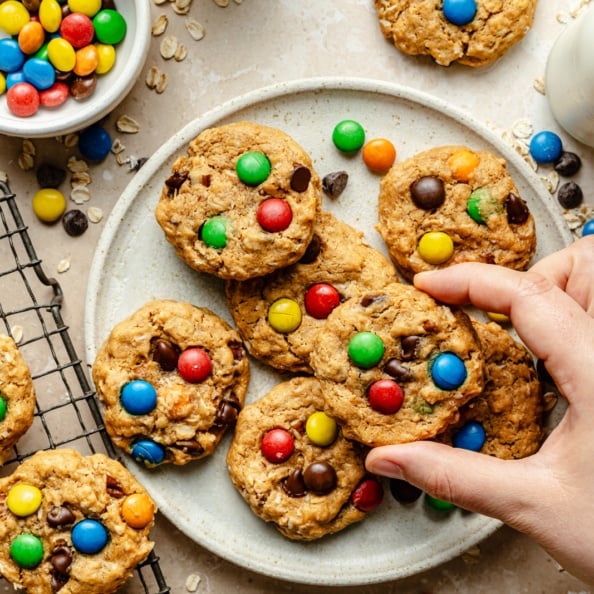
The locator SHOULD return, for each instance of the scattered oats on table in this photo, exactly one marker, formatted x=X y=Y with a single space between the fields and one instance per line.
x=95 y=214
x=168 y=46
x=159 y=25
x=17 y=333
x=127 y=125
x=63 y=265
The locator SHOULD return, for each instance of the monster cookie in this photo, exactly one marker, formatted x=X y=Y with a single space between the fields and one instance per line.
x=506 y=420
x=396 y=366
x=242 y=203
x=279 y=315
x=17 y=396
x=471 y=32
x=73 y=524
x=452 y=204
x=292 y=465
x=172 y=378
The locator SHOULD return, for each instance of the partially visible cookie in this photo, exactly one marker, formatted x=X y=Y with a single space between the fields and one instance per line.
x=242 y=202
x=452 y=204
x=396 y=366
x=74 y=524
x=337 y=265
x=510 y=410
x=17 y=396
x=172 y=378
x=293 y=466
x=422 y=27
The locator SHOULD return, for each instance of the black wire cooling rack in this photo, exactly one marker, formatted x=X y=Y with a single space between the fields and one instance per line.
x=67 y=414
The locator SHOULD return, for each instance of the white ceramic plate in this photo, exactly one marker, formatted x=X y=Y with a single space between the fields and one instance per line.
x=134 y=263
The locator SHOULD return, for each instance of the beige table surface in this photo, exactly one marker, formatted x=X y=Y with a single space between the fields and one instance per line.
x=254 y=44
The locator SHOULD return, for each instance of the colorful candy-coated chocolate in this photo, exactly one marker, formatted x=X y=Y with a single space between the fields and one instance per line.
x=428 y=192
x=448 y=371
x=404 y=492
x=277 y=445
x=13 y=17
x=50 y=15
x=138 y=397
x=138 y=510
x=366 y=349
x=14 y=78
x=87 y=7
x=438 y=504
x=77 y=29
x=274 y=215
x=321 y=429
x=588 y=228
x=436 y=247
x=368 y=494
x=110 y=26
x=22 y=99
x=11 y=56
x=49 y=204
x=87 y=59
x=2 y=84
x=498 y=317
x=462 y=163
x=284 y=315
x=23 y=500
x=89 y=536
x=55 y=95
x=214 y=232
x=385 y=396
x=459 y=12
x=379 y=155
x=320 y=477
x=106 y=55
x=546 y=147
x=470 y=437
x=31 y=37
x=320 y=300
x=148 y=452
x=94 y=143
x=3 y=408
x=194 y=365
x=39 y=73
x=26 y=550
x=253 y=168
x=348 y=136
x=481 y=205
x=61 y=54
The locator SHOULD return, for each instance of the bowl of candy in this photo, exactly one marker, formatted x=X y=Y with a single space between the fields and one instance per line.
x=67 y=64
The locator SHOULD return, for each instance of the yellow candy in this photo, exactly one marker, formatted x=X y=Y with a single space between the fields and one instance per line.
x=61 y=54
x=321 y=429
x=498 y=317
x=49 y=204
x=284 y=315
x=107 y=57
x=23 y=500
x=436 y=247
x=138 y=510
x=50 y=15
x=13 y=17
x=463 y=163
x=88 y=7
x=2 y=83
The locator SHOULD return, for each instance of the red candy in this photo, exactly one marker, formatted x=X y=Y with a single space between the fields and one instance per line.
x=22 y=100
x=320 y=300
x=194 y=365
x=368 y=495
x=77 y=29
x=385 y=396
x=277 y=445
x=274 y=215
x=55 y=95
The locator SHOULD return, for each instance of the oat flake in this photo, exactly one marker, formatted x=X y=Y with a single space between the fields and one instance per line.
x=95 y=214
x=539 y=85
x=192 y=582
x=159 y=25
x=168 y=46
x=127 y=125
x=522 y=128
x=195 y=29
x=75 y=165
x=80 y=194
x=28 y=147
x=17 y=333
x=26 y=161
x=71 y=140
x=117 y=147
x=222 y=3
x=180 y=53
x=63 y=265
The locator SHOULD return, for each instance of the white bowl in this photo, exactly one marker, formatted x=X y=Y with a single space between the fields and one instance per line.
x=111 y=89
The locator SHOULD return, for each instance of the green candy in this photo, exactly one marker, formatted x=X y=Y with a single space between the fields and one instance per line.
x=439 y=504
x=214 y=232
x=26 y=551
x=366 y=349
x=110 y=26
x=348 y=136
x=3 y=408
x=253 y=168
x=481 y=205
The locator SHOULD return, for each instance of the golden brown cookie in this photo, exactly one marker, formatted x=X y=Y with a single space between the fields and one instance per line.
x=337 y=265
x=421 y=27
x=17 y=396
x=73 y=524
x=452 y=204
x=242 y=202
x=292 y=465
x=396 y=366
x=172 y=378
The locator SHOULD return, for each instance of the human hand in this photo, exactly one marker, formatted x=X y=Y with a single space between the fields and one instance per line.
x=548 y=495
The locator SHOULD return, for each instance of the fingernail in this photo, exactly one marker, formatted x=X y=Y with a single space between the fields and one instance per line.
x=385 y=468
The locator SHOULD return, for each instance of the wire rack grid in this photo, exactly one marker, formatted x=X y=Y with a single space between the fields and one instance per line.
x=67 y=414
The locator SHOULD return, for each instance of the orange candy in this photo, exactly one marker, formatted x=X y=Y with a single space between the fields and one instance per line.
x=463 y=163
x=379 y=155
x=138 y=510
x=87 y=59
x=31 y=37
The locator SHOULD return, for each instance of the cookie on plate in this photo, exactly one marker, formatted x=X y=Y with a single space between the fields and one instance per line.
x=172 y=378
x=509 y=414
x=396 y=366
x=72 y=523
x=473 y=38
x=279 y=315
x=242 y=202
x=17 y=396
x=452 y=204
x=291 y=463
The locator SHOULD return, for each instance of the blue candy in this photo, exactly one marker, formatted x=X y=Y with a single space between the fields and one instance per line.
x=470 y=437
x=11 y=56
x=39 y=73
x=546 y=147
x=148 y=452
x=588 y=228
x=14 y=78
x=459 y=12
x=94 y=143
x=138 y=397
x=89 y=536
x=448 y=371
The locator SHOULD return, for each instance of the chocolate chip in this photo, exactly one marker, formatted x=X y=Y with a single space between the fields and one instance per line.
x=320 y=478
x=428 y=192
x=58 y=581
x=570 y=195
x=409 y=344
x=517 y=210
x=294 y=485
x=226 y=414
x=176 y=180
x=368 y=300
x=113 y=487
x=165 y=354
x=237 y=350
x=300 y=178
x=403 y=491
x=189 y=446
x=397 y=370
x=206 y=179
x=49 y=176
x=75 y=222
x=60 y=516
x=61 y=558
x=334 y=183
x=568 y=164
x=312 y=251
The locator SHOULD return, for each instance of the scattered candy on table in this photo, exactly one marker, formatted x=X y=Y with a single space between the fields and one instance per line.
x=379 y=155
x=75 y=222
x=570 y=195
x=49 y=204
x=348 y=136
x=94 y=143
x=368 y=495
x=546 y=147
x=438 y=504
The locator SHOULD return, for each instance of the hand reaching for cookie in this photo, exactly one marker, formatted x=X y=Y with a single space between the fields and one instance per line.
x=547 y=495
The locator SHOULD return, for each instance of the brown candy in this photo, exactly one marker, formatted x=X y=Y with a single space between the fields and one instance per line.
x=83 y=87
x=428 y=192
x=320 y=478
x=517 y=211
x=300 y=178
